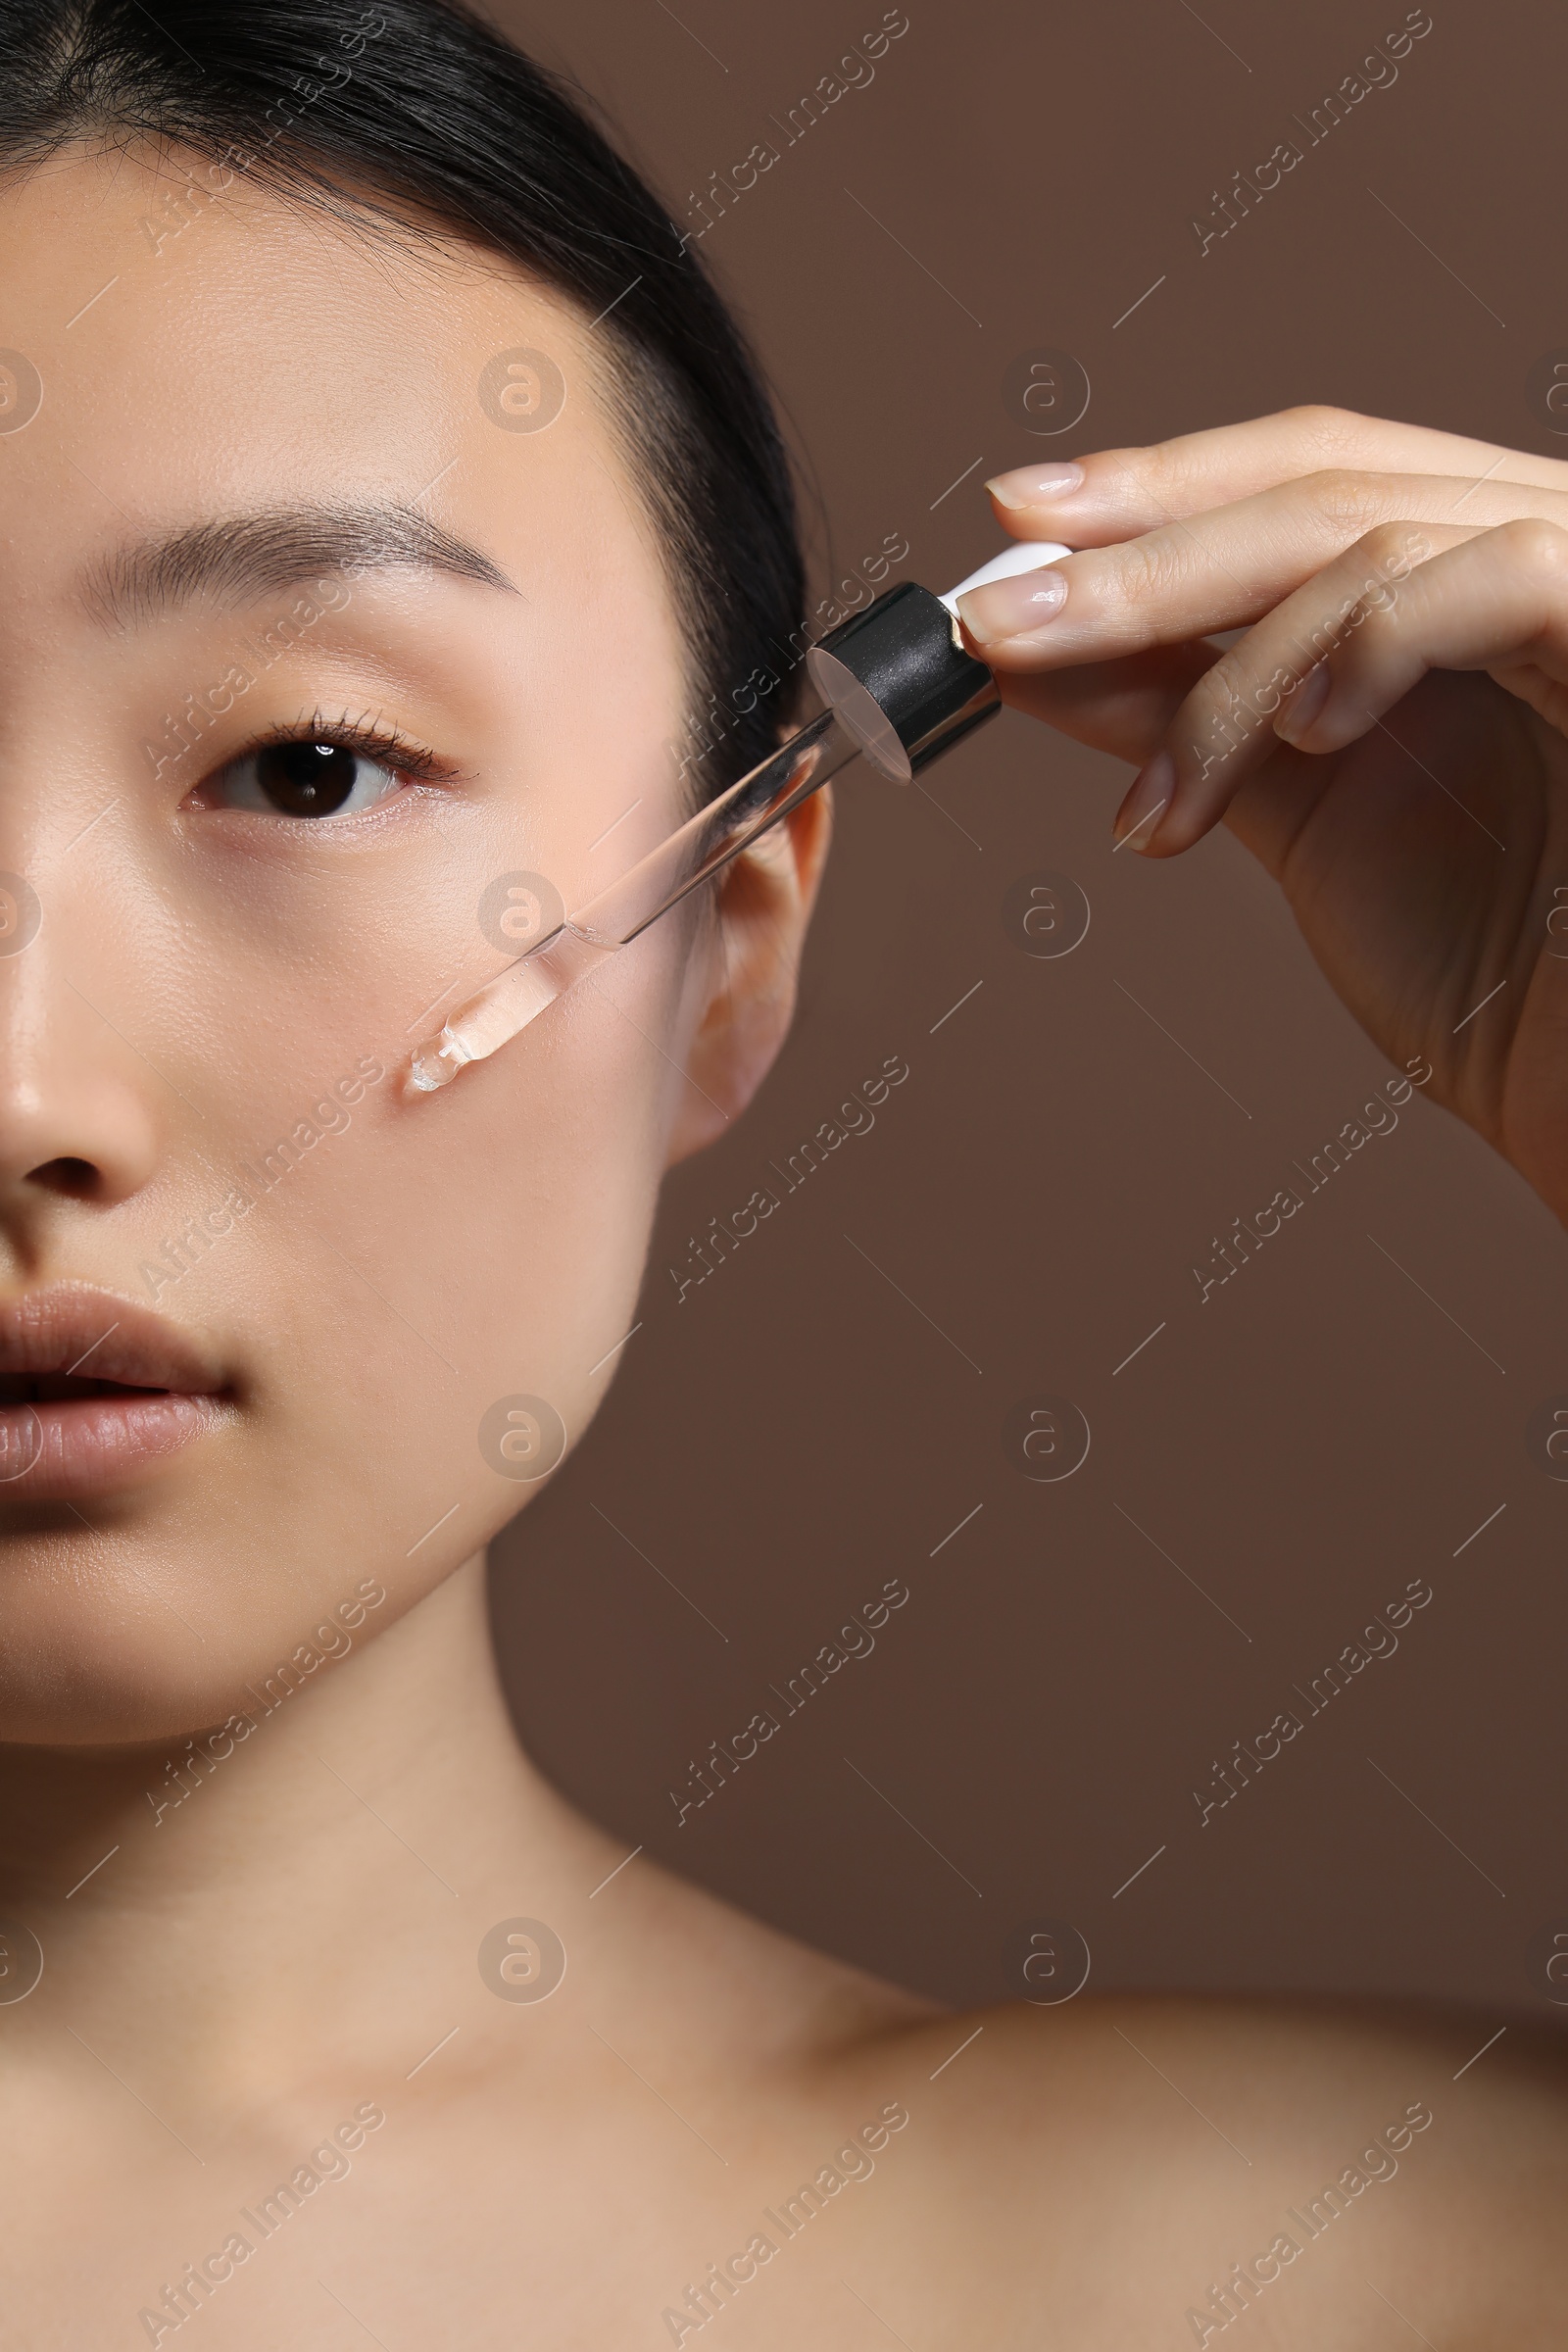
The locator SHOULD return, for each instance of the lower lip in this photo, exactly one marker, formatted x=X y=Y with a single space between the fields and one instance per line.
x=84 y=1446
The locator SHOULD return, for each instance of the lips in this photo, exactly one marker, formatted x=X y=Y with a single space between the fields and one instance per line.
x=95 y=1391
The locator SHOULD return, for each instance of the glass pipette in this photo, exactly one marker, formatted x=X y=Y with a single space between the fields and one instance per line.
x=899 y=689
x=680 y=864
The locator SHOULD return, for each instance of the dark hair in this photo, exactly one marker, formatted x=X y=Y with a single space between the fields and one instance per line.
x=438 y=115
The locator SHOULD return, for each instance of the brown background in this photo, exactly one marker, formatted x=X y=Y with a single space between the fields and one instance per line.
x=795 y=1431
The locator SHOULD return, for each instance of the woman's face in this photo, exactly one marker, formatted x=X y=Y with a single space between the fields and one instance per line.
x=238 y=515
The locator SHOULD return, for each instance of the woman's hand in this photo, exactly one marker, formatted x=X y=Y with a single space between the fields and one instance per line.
x=1390 y=736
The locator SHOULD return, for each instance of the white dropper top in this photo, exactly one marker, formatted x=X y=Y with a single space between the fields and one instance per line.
x=1024 y=555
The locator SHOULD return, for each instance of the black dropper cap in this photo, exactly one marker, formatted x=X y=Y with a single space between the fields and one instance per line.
x=900 y=681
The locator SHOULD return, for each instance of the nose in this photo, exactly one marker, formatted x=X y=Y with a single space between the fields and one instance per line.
x=76 y=1116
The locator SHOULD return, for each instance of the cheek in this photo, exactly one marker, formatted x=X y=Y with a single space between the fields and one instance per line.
x=455 y=1252
x=390 y=1298
x=536 y=1180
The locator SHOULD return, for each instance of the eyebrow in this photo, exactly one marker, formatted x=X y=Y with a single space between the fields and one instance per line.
x=235 y=560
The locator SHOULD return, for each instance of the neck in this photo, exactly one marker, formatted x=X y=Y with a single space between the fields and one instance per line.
x=366 y=1828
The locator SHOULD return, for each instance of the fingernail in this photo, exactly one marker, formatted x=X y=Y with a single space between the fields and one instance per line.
x=1304 y=705
x=1150 y=792
x=1030 y=484
x=1014 y=609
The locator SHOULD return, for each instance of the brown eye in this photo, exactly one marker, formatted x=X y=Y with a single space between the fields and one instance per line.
x=302 y=779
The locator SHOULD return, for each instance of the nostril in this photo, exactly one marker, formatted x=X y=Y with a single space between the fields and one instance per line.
x=74 y=1179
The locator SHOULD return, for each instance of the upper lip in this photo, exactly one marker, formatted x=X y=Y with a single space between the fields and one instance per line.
x=111 y=1339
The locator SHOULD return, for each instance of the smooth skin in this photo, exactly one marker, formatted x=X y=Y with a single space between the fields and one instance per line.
x=276 y=1978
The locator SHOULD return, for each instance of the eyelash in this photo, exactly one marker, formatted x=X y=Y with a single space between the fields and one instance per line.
x=413 y=762
x=407 y=759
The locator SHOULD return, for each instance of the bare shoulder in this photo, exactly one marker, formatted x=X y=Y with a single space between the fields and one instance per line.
x=1134 y=2167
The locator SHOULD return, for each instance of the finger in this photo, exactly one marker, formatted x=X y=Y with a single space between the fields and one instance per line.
x=1497 y=603
x=1114 y=493
x=1223 y=570
x=1324 y=668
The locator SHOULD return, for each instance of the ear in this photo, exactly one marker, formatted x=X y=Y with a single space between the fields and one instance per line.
x=762 y=907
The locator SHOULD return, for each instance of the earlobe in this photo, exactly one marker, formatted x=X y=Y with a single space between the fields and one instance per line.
x=762 y=907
